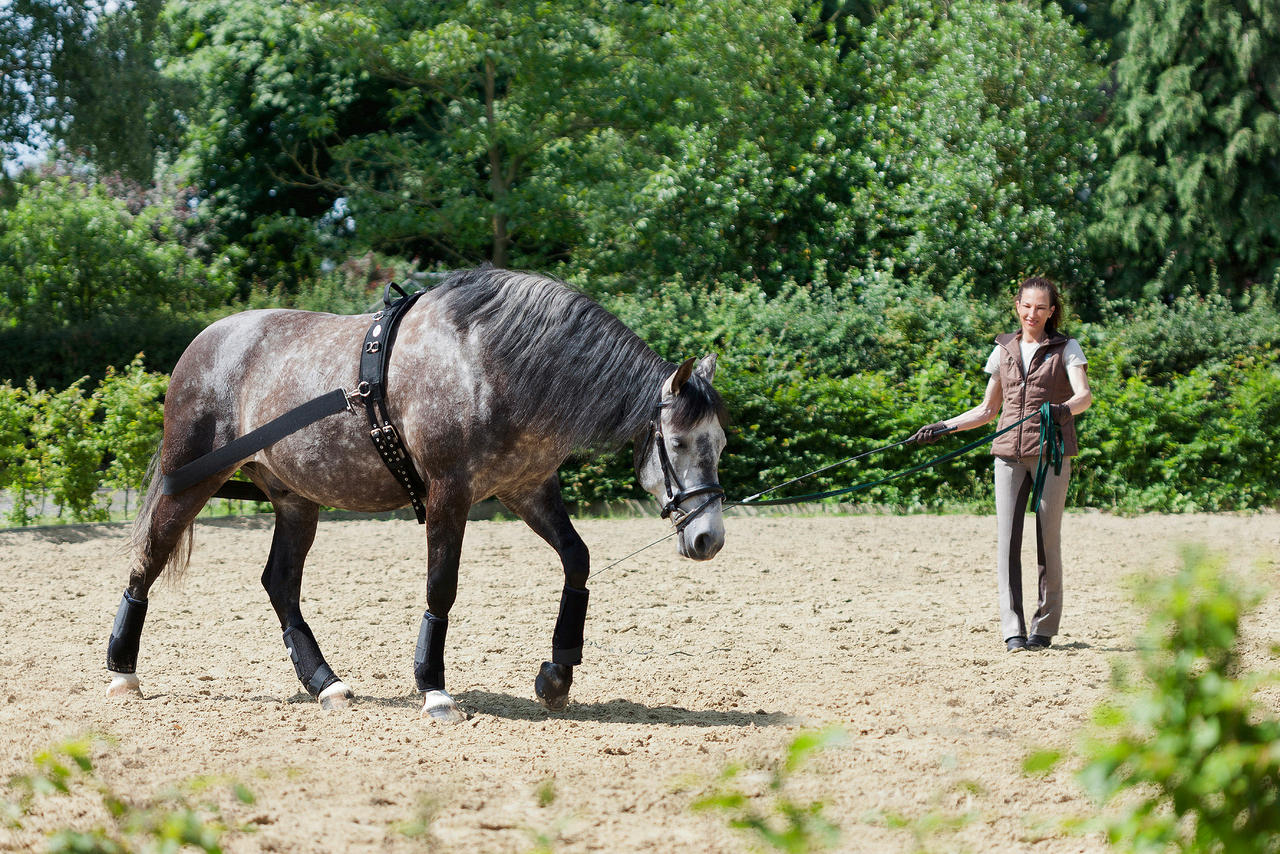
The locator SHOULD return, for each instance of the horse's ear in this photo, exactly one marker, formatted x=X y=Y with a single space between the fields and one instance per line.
x=676 y=381
x=707 y=368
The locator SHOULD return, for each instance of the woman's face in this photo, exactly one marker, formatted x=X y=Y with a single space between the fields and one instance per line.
x=1034 y=308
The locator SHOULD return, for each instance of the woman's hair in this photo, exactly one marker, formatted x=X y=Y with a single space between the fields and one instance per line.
x=1055 y=300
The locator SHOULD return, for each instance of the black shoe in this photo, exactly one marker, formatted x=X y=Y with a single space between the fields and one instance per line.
x=1039 y=642
x=1017 y=643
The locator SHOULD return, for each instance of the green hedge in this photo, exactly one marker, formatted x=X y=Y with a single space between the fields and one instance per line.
x=812 y=376
x=1207 y=440
x=54 y=358
x=1185 y=392
x=73 y=448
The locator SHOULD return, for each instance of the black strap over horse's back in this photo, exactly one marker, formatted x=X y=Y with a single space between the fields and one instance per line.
x=374 y=358
x=375 y=354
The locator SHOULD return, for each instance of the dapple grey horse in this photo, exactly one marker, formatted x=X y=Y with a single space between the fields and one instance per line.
x=495 y=379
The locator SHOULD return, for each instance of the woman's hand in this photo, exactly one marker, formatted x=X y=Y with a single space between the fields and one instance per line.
x=931 y=433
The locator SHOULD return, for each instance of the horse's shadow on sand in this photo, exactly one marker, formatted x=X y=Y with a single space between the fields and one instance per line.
x=618 y=711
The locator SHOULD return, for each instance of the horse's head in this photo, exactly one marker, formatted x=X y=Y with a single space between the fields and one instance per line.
x=678 y=461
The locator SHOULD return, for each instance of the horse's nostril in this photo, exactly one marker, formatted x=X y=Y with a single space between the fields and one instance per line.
x=703 y=544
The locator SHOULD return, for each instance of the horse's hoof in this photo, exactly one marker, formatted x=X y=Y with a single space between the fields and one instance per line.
x=439 y=706
x=552 y=686
x=554 y=704
x=336 y=696
x=124 y=685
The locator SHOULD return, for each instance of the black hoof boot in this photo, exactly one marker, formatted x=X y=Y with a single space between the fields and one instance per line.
x=552 y=685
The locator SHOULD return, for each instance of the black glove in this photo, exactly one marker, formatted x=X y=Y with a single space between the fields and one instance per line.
x=1061 y=413
x=930 y=434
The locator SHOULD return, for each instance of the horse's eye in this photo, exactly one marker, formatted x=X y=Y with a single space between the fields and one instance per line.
x=677 y=442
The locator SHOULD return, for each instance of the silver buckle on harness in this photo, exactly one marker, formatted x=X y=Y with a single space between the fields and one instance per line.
x=360 y=393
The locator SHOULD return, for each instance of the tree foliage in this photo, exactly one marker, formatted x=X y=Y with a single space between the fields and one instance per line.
x=81 y=74
x=980 y=150
x=1195 y=130
x=748 y=171
x=495 y=111
x=262 y=99
x=70 y=253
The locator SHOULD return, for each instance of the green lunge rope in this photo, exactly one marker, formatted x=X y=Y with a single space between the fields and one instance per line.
x=1051 y=453
x=950 y=455
x=1049 y=436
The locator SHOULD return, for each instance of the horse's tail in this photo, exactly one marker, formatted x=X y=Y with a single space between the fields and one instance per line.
x=140 y=537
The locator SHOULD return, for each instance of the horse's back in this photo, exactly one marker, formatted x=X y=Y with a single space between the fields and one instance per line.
x=254 y=365
x=268 y=345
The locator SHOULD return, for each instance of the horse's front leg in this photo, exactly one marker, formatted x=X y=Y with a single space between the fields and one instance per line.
x=543 y=510
x=446 y=522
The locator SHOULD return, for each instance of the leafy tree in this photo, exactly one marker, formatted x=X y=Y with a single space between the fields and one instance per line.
x=80 y=73
x=500 y=114
x=524 y=133
x=979 y=150
x=69 y=253
x=750 y=165
x=1099 y=20
x=36 y=37
x=263 y=100
x=1195 y=130
x=120 y=110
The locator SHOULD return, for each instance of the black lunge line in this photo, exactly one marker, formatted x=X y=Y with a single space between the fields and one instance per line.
x=1051 y=457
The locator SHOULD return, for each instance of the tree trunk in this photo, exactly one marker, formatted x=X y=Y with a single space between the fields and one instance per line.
x=497 y=180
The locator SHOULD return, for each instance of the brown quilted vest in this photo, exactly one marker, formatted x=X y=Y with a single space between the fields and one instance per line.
x=1045 y=380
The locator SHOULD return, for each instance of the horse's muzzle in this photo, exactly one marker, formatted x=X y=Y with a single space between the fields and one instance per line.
x=701 y=545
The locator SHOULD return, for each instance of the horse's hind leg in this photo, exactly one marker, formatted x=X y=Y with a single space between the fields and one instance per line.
x=543 y=510
x=295 y=531
x=161 y=538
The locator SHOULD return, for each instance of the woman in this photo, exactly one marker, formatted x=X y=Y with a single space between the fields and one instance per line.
x=1028 y=368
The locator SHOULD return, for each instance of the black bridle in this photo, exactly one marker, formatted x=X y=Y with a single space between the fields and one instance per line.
x=675 y=491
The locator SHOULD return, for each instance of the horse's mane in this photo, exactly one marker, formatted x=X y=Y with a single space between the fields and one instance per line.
x=562 y=359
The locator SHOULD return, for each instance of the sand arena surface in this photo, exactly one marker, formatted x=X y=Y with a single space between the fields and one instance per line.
x=883 y=625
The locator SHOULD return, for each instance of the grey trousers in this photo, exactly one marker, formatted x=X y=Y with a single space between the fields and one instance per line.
x=1014 y=481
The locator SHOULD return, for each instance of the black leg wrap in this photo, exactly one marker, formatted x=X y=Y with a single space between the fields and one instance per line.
x=566 y=641
x=122 y=649
x=428 y=658
x=308 y=661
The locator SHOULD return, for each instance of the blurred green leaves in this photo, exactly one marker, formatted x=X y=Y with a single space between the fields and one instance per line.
x=1184 y=755
x=771 y=815
x=167 y=822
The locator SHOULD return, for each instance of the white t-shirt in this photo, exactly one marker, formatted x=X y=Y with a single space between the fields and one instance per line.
x=1073 y=354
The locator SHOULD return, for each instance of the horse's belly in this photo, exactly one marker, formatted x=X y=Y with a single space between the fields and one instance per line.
x=336 y=467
